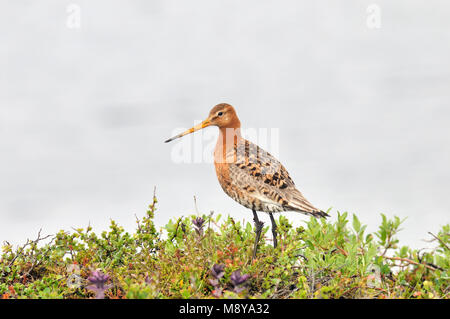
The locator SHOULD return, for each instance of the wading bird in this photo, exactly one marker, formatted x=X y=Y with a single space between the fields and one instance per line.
x=249 y=174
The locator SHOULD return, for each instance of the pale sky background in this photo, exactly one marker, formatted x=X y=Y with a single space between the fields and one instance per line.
x=363 y=114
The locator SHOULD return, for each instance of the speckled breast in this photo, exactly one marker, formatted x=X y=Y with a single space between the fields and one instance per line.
x=233 y=190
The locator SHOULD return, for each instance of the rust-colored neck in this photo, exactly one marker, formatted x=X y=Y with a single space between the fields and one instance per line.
x=228 y=139
x=229 y=136
x=228 y=133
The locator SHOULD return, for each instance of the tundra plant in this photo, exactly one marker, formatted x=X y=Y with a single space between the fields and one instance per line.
x=210 y=257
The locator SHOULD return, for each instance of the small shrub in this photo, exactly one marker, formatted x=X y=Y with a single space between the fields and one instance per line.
x=205 y=257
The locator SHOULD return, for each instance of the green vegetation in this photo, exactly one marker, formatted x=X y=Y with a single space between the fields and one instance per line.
x=207 y=257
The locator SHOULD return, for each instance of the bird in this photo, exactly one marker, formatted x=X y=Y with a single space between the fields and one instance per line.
x=249 y=174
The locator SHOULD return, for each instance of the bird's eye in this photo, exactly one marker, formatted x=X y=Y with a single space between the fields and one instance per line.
x=220 y=113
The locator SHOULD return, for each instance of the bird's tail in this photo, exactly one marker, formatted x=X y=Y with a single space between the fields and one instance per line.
x=301 y=204
x=320 y=214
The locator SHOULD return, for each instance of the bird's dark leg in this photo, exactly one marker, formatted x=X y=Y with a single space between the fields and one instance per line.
x=274 y=230
x=258 y=229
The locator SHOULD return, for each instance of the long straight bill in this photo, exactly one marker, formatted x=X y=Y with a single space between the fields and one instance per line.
x=203 y=124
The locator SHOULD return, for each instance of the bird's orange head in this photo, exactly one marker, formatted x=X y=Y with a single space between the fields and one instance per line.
x=222 y=115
